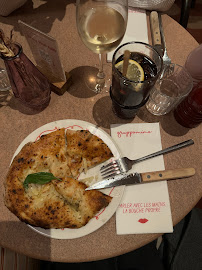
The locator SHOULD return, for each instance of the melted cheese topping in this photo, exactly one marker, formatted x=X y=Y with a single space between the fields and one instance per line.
x=40 y=194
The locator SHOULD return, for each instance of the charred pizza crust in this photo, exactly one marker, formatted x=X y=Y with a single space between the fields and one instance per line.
x=64 y=204
x=85 y=150
x=58 y=204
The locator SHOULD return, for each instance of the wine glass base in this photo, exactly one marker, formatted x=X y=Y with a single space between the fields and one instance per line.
x=96 y=84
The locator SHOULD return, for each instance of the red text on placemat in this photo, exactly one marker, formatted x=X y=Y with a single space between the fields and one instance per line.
x=130 y=133
x=137 y=208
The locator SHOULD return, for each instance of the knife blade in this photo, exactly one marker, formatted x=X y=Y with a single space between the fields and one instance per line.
x=138 y=178
x=155 y=32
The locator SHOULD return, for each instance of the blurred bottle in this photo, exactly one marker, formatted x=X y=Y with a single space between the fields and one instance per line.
x=194 y=64
x=189 y=112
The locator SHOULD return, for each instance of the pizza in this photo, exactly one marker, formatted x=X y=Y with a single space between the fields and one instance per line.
x=59 y=202
x=85 y=150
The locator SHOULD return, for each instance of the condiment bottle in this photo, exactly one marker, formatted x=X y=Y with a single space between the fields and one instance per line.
x=189 y=112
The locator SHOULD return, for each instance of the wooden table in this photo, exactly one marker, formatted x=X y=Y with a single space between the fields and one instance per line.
x=80 y=103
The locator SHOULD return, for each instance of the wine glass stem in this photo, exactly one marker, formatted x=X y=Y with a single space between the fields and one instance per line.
x=101 y=74
x=100 y=80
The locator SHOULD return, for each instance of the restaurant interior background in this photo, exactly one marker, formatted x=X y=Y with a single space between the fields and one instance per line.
x=194 y=26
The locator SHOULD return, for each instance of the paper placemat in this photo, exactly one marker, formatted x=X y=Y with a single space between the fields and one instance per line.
x=144 y=208
x=136 y=28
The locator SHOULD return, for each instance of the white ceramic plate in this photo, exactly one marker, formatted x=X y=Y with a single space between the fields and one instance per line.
x=116 y=193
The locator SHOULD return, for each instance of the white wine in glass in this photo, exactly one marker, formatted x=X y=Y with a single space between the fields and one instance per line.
x=101 y=25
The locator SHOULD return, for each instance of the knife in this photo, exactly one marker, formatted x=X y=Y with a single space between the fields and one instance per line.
x=139 y=178
x=155 y=32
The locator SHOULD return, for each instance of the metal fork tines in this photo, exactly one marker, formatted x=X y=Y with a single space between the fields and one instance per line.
x=123 y=165
x=116 y=167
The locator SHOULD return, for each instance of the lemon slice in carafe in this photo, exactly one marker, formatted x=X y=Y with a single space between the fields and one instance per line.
x=134 y=72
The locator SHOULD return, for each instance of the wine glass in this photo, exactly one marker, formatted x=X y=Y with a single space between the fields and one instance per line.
x=101 y=25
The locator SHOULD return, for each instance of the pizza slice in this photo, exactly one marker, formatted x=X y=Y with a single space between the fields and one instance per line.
x=48 y=154
x=58 y=204
x=85 y=150
x=86 y=203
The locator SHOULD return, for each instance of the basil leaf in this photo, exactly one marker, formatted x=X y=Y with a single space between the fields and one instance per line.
x=40 y=178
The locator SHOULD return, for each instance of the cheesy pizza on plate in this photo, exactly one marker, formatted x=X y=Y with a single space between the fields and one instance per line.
x=42 y=186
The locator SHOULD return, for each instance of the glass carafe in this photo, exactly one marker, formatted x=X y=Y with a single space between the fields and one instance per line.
x=28 y=84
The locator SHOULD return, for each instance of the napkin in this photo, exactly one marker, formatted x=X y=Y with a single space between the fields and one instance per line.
x=144 y=208
x=136 y=28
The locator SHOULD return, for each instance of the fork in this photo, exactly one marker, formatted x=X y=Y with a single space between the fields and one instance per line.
x=166 y=58
x=123 y=165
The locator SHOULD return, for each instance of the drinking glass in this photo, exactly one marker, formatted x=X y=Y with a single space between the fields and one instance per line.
x=189 y=112
x=169 y=90
x=101 y=25
x=128 y=95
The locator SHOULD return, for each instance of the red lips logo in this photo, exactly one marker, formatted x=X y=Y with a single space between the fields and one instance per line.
x=143 y=220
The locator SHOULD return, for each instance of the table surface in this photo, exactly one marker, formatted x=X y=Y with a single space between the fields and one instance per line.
x=81 y=103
